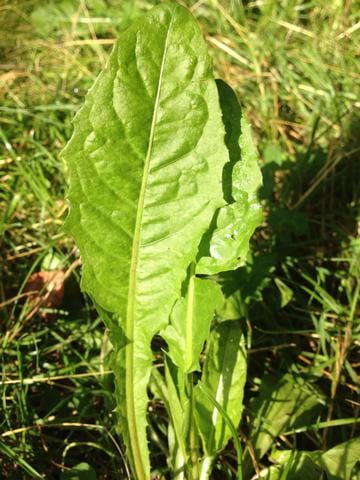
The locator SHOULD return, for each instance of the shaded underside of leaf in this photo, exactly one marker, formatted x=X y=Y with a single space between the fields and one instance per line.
x=145 y=161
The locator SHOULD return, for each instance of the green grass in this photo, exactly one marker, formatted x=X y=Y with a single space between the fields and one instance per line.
x=294 y=65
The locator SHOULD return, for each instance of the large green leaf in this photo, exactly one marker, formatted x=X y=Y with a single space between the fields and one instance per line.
x=283 y=402
x=224 y=376
x=297 y=465
x=338 y=463
x=190 y=323
x=145 y=163
x=226 y=246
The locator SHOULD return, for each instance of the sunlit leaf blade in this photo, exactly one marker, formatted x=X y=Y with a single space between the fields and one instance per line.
x=226 y=246
x=190 y=323
x=224 y=376
x=145 y=161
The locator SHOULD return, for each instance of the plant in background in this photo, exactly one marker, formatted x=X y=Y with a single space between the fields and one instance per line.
x=163 y=197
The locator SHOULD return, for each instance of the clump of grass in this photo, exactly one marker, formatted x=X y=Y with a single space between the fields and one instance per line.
x=293 y=67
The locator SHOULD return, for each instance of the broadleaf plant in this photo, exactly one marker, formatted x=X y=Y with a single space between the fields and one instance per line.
x=163 y=193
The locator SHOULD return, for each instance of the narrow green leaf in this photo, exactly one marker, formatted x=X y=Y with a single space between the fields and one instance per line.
x=206 y=464
x=6 y=450
x=226 y=246
x=145 y=161
x=167 y=392
x=338 y=422
x=190 y=323
x=224 y=376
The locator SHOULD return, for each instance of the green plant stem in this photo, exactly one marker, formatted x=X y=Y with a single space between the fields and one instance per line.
x=134 y=440
x=180 y=462
x=193 y=435
x=190 y=430
x=206 y=467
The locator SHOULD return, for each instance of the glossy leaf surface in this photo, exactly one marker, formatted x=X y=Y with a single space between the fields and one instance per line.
x=145 y=163
x=228 y=242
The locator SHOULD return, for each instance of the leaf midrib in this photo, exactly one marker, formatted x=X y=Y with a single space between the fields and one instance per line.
x=189 y=321
x=129 y=358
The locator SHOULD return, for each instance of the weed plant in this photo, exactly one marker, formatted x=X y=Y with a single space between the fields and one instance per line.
x=293 y=66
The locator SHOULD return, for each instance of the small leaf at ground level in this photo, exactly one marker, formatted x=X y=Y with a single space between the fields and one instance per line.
x=82 y=471
x=286 y=294
x=339 y=461
x=296 y=465
x=283 y=402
